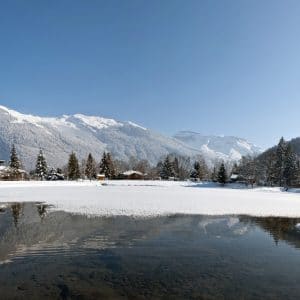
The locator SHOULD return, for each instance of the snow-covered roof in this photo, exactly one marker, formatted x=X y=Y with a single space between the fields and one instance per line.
x=131 y=172
x=234 y=176
x=8 y=169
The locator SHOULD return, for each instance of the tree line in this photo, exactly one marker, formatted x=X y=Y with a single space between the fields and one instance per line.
x=171 y=167
x=278 y=166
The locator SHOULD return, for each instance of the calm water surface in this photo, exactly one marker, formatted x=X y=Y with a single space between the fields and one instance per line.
x=57 y=255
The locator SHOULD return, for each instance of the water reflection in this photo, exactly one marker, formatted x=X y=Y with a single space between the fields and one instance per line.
x=281 y=229
x=57 y=255
x=42 y=209
x=16 y=209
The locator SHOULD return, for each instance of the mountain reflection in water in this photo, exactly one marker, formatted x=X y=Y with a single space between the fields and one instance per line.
x=56 y=255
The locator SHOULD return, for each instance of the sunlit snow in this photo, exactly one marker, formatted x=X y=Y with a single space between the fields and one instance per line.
x=147 y=198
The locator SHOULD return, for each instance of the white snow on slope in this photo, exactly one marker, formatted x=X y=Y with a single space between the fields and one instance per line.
x=149 y=198
x=59 y=136
x=97 y=122
x=136 y=125
x=218 y=147
x=21 y=118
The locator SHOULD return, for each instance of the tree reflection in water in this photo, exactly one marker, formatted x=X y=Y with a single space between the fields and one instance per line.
x=42 y=210
x=281 y=229
x=16 y=209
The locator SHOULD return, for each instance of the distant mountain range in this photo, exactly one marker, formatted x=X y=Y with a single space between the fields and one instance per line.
x=59 y=136
x=218 y=147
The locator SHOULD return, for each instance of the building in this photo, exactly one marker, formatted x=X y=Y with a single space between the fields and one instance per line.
x=234 y=178
x=101 y=177
x=237 y=178
x=6 y=173
x=132 y=175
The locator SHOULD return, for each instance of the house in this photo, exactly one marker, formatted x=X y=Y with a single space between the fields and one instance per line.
x=237 y=178
x=132 y=175
x=234 y=178
x=101 y=177
x=7 y=173
x=4 y=171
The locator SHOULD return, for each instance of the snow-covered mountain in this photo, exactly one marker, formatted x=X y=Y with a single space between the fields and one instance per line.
x=58 y=137
x=218 y=147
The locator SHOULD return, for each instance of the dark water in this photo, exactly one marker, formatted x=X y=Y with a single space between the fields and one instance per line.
x=58 y=255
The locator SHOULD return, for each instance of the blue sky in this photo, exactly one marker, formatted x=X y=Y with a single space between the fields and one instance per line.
x=216 y=67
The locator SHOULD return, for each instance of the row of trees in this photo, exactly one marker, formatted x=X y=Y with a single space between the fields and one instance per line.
x=90 y=168
x=73 y=170
x=279 y=166
x=181 y=168
x=174 y=167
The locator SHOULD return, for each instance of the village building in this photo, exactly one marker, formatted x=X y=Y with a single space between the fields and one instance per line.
x=6 y=172
x=101 y=177
x=237 y=178
x=132 y=175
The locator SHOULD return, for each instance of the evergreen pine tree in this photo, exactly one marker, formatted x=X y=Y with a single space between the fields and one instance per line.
x=14 y=163
x=197 y=172
x=176 y=167
x=14 y=160
x=73 y=167
x=222 y=176
x=167 y=169
x=200 y=170
x=106 y=166
x=90 y=168
x=103 y=165
x=280 y=159
x=270 y=169
x=41 y=165
x=290 y=167
x=248 y=170
x=111 y=167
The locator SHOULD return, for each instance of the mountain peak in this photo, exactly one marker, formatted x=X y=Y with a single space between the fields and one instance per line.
x=59 y=136
x=96 y=122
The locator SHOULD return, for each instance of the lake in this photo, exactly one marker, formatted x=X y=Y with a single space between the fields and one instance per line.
x=48 y=254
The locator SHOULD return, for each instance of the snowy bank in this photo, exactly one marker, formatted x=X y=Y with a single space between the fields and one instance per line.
x=148 y=198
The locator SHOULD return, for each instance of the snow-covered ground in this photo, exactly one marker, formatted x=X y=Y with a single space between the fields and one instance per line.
x=148 y=198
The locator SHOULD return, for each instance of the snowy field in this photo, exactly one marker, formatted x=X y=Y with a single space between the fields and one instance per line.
x=148 y=198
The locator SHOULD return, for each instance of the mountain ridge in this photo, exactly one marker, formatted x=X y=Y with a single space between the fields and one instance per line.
x=59 y=136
